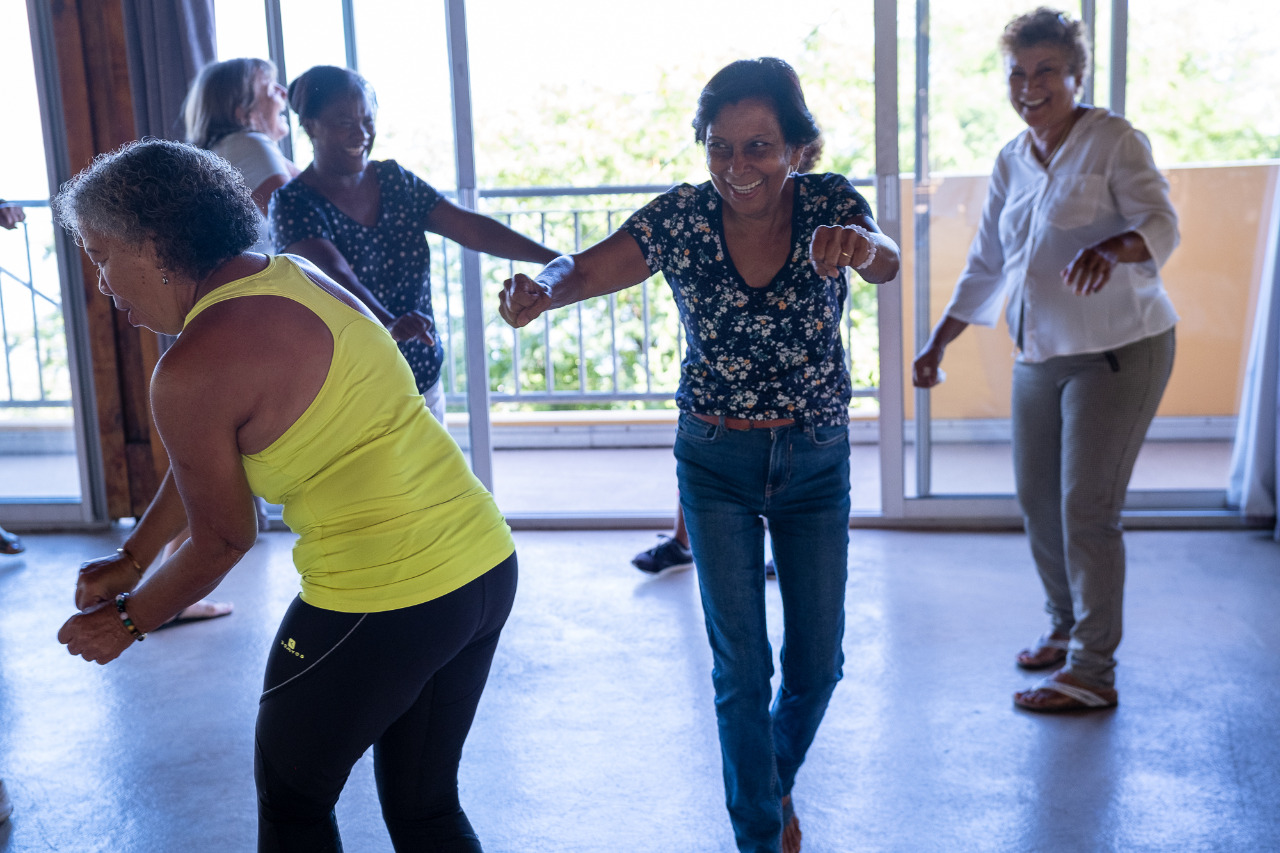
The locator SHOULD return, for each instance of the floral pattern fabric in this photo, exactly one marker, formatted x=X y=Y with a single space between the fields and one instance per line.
x=391 y=258
x=759 y=353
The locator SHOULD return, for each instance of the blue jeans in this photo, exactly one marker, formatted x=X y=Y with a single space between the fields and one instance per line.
x=797 y=478
x=1078 y=424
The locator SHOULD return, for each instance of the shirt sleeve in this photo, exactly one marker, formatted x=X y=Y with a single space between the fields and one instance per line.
x=294 y=214
x=1142 y=196
x=655 y=225
x=980 y=290
x=256 y=156
x=420 y=196
x=846 y=202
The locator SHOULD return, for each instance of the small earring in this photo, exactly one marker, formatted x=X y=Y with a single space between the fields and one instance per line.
x=164 y=276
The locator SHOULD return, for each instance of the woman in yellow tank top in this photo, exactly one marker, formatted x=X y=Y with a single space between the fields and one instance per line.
x=282 y=384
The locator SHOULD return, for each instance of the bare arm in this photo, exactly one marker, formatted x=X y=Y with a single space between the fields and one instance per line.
x=926 y=370
x=198 y=410
x=102 y=579
x=613 y=264
x=412 y=326
x=262 y=193
x=484 y=234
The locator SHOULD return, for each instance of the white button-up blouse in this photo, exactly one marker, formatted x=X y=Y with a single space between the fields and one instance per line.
x=1103 y=182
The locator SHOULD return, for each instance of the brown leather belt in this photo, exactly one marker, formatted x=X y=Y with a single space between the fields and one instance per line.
x=744 y=423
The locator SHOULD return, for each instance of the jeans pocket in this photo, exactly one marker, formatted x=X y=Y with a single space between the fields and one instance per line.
x=827 y=436
x=697 y=430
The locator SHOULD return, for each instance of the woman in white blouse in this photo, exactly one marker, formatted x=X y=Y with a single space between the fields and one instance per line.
x=1076 y=226
x=237 y=110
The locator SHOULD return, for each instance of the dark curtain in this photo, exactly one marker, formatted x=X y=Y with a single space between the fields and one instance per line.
x=169 y=41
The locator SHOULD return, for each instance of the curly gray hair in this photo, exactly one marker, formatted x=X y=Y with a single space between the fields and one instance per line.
x=192 y=205
x=1050 y=26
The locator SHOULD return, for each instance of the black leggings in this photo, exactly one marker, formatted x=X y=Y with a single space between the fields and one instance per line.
x=406 y=682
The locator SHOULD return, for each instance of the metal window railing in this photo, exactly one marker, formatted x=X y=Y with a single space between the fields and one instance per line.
x=36 y=370
x=620 y=349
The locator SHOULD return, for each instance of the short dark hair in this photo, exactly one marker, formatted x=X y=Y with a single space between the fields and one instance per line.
x=189 y=203
x=767 y=79
x=1049 y=26
x=219 y=90
x=317 y=87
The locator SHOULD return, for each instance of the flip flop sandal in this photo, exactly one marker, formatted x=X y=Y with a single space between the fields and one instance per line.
x=1073 y=698
x=1043 y=653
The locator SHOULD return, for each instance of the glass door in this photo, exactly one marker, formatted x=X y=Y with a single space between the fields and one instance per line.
x=403 y=50
x=44 y=478
x=958 y=457
x=567 y=146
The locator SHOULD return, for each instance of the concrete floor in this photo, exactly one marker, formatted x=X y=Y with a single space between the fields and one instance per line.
x=597 y=732
x=643 y=479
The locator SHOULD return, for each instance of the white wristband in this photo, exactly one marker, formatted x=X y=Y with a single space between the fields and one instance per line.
x=871 y=256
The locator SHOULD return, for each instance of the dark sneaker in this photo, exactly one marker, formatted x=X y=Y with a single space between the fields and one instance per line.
x=664 y=557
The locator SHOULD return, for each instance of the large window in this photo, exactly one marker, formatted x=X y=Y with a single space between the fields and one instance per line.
x=1198 y=87
x=561 y=118
x=41 y=478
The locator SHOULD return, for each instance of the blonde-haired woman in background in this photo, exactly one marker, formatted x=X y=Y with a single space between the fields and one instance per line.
x=236 y=109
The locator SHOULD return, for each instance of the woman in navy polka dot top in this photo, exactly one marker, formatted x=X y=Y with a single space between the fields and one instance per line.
x=363 y=221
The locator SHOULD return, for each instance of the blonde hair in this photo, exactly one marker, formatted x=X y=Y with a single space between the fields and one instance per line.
x=219 y=92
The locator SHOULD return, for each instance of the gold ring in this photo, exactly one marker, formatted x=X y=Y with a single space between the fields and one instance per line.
x=846 y=255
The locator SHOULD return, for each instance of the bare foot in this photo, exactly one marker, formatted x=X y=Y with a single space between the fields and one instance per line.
x=791 y=829
x=199 y=612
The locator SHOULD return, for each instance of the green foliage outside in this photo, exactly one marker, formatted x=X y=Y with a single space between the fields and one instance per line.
x=1201 y=86
x=1183 y=92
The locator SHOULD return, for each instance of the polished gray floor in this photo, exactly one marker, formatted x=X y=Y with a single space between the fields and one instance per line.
x=597 y=733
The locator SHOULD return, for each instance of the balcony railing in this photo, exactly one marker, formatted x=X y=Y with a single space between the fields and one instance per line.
x=623 y=349
x=620 y=349
x=36 y=370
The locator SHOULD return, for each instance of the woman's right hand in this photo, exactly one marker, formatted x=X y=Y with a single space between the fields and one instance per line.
x=414 y=326
x=104 y=578
x=97 y=633
x=523 y=300
x=926 y=370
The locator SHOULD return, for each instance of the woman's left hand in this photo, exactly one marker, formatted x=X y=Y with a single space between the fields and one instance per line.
x=102 y=579
x=97 y=634
x=836 y=246
x=1089 y=270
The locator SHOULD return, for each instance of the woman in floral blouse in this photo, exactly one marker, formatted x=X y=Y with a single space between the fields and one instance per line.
x=758 y=259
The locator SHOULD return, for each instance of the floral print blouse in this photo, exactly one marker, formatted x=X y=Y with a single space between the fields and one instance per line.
x=759 y=353
x=391 y=258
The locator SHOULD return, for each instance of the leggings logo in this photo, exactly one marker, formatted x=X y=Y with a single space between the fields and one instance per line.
x=291 y=649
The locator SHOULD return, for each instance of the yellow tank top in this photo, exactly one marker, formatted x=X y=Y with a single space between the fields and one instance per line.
x=388 y=515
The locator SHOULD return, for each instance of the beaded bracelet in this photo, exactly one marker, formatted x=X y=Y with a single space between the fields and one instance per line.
x=125 y=552
x=124 y=617
x=871 y=257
